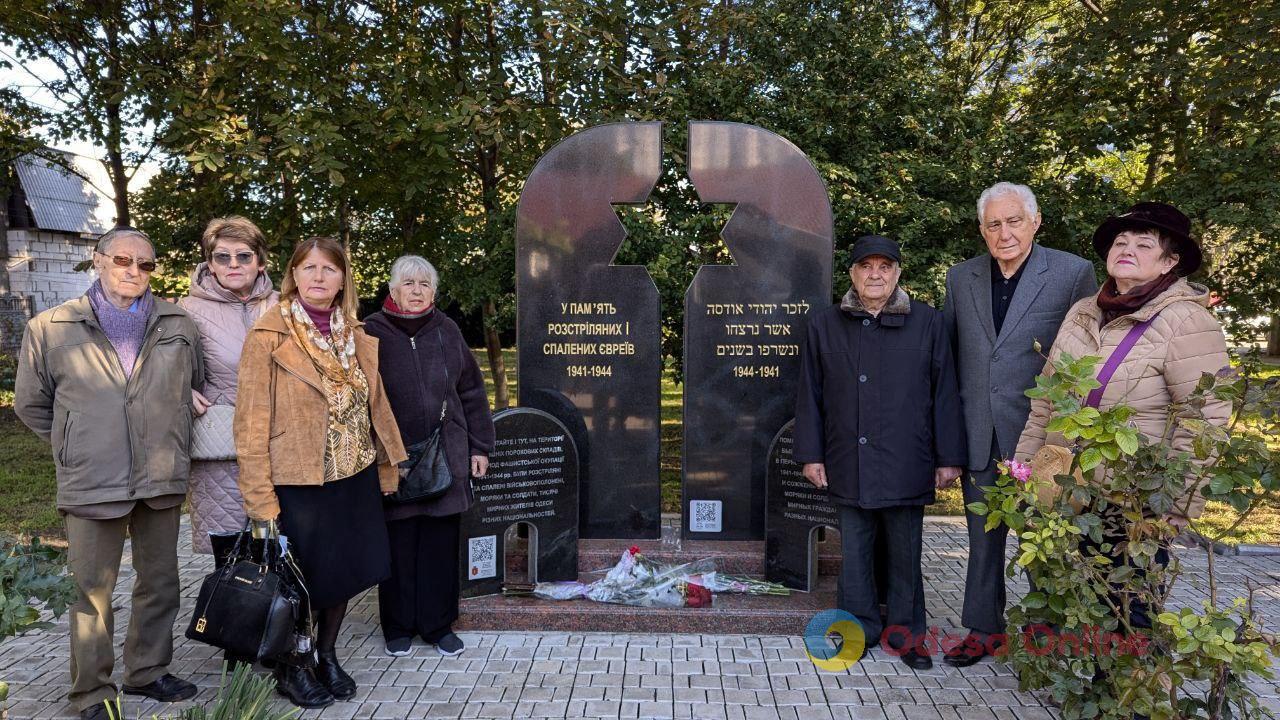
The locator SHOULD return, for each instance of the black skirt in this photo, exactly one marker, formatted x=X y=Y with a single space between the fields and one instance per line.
x=338 y=535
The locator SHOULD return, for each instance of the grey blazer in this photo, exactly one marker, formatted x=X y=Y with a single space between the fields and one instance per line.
x=994 y=371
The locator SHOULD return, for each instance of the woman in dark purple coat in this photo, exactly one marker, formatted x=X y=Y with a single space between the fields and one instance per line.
x=424 y=362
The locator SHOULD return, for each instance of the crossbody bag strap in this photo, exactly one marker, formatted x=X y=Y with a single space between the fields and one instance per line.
x=1117 y=356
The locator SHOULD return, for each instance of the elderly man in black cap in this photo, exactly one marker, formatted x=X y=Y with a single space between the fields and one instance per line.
x=879 y=425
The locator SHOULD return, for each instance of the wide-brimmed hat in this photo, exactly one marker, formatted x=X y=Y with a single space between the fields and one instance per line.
x=1161 y=216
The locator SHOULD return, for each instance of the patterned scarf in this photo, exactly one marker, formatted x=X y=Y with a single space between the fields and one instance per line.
x=126 y=329
x=348 y=447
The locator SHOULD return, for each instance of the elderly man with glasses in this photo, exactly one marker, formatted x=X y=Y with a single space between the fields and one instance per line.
x=998 y=306
x=107 y=379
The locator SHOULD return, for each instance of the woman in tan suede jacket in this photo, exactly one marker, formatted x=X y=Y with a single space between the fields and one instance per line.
x=318 y=447
x=1148 y=249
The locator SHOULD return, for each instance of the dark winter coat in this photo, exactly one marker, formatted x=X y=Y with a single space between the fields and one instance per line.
x=414 y=376
x=878 y=402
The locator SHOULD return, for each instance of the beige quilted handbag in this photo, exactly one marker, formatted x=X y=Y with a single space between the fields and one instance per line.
x=211 y=434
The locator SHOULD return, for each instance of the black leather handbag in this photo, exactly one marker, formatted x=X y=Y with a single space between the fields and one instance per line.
x=429 y=476
x=255 y=607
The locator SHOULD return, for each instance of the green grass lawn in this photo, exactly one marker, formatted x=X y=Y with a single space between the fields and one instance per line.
x=27 y=485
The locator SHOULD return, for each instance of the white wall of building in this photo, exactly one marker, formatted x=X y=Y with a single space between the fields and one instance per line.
x=41 y=266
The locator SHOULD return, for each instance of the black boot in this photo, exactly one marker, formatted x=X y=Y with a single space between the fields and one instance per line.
x=302 y=688
x=333 y=676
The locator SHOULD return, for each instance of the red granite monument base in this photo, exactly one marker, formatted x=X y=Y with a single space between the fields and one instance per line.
x=731 y=613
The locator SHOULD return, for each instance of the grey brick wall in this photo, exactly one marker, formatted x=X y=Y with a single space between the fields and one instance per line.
x=41 y=266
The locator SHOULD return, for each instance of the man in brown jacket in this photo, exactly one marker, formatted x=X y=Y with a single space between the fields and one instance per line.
x=107 y=379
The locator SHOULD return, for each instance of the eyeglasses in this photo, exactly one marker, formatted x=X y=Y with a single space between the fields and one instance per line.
x=224 y=258
x=1012 y=223
x=145 y=266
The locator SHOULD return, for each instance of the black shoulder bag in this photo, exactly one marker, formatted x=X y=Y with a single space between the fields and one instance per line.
x=429 y=476
x=254 y=609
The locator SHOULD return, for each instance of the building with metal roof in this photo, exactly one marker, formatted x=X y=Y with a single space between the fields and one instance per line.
x=58 y=206
x=62 y=192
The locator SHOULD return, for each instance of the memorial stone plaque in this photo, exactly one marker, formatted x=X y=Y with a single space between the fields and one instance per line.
x=796 y=509
x=587 y=330
x=744 y=323
x=532 y=478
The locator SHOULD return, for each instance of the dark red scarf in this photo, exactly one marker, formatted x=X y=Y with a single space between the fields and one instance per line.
x=1114 y=305
x=408 y=322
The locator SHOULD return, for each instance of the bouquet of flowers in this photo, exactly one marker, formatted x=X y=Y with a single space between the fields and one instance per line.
x=637 y=580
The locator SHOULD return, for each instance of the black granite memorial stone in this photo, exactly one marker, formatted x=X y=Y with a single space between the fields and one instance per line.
x=796 y=510
x=587 y=331
x=532 y=478
x=744 y=323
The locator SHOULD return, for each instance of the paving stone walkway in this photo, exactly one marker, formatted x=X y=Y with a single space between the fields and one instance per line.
x=602 y=675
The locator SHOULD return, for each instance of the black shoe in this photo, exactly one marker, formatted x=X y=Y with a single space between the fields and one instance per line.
x=967 y=653
x=166 y=688
x=302 y=688
x=333 y=676
x=96 y=712
x=399 y=647
x=450 y=645
x=916 y=661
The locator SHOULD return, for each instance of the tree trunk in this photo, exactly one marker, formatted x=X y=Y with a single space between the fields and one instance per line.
x=344 y=223
x=1273 y=337
x=289 y=223
x=115 y=125
x=497 y=368
x=6 y=176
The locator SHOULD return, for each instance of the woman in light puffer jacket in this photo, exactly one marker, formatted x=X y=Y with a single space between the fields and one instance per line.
x=229 y=292
x=1149 y=252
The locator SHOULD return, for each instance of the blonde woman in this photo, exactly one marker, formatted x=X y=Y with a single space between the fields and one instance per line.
x=318 y=446
x=230 y=290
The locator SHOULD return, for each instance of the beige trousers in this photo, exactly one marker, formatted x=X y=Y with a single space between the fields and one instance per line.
x=94 y=551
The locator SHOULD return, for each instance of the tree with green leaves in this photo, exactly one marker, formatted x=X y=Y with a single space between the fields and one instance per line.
x=105 y=57
x=1175 y=101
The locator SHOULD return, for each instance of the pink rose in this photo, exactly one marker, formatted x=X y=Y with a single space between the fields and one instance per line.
x=1020 y=471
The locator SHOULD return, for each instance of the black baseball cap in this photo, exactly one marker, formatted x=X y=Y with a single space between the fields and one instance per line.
x=868 y=245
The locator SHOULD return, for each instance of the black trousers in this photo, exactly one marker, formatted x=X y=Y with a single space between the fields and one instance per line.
x=1139 y=613
x=858 y=591
x=421 y=596
x=984 y=590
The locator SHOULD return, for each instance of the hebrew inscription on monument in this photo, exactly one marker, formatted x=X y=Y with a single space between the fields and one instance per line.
x=588 y=330
x=743 y=323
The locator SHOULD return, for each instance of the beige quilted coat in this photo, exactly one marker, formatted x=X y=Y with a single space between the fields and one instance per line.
x=1163 y=367
x=224 y=321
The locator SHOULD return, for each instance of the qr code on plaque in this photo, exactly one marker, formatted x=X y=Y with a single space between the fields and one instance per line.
x=704 y=515
x=482 y=557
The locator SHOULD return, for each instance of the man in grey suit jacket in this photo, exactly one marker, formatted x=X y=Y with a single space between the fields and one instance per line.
x=997 y=306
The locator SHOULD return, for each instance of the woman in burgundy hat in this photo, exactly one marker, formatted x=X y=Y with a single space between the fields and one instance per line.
x=1149 y=253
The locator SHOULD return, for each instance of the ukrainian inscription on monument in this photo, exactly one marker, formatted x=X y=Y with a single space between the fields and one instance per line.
x=744 y=322
x=796 y=509
x=587 y=330
x=532 y=478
